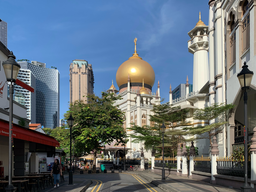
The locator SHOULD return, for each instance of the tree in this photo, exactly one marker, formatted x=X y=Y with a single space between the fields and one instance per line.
x=173 y=117
x=215 y=117
x=62 y=135
x=96 y=122
x=47 y=131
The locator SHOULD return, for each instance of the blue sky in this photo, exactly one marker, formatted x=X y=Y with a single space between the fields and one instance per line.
x=102 y=32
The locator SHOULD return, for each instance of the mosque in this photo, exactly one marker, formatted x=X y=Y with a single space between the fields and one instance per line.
x=219 y=49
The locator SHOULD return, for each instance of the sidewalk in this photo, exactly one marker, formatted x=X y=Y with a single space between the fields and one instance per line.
x=79 y=185
x=174 y=183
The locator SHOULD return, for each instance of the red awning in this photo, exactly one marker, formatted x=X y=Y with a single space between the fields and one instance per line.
x=24 y=85
x=27 y=134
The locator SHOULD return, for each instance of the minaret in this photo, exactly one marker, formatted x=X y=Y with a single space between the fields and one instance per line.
x=187 y=87
x=158 y=89
x=198 y=45
x=170 y=95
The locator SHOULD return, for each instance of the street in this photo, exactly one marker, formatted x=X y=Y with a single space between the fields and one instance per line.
x=119 y=182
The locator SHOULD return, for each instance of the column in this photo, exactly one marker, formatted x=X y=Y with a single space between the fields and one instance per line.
x=211 y=35
x=142 y=163
x=184 y=160
x=214 y=154
x=253 y=157
x=152 y=162
x=191 y=158
x=179 y=154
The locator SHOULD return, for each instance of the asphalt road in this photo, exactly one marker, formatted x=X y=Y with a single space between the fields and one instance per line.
x=127 y=181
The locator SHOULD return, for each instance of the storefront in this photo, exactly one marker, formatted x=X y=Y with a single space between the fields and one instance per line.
x=30 y=149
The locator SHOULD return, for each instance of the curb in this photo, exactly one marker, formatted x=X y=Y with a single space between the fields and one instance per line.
x=86 y=186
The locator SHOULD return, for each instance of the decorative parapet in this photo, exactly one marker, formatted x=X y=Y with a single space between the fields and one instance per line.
x=192 y=149
x=214 y=150
x=184 y=150
x=179 y=153
x=253 y=146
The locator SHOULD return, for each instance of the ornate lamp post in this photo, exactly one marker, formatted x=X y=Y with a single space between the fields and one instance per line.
x=245 y=79
x=70 y=124
x=11 y=69
x=163 y=131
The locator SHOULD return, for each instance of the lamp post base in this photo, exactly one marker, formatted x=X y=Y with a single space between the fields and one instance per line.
x=10 y=188
x=163 y=174
x=70 y=178
x=246 y=188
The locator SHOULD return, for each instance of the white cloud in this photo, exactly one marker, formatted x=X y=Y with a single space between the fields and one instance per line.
x=162 y=21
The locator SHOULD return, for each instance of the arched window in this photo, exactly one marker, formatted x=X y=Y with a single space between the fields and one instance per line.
x=245 y=6
x=231 y=21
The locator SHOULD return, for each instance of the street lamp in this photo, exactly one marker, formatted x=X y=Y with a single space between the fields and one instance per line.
x=11 y=69
x=245 y=79
x=70 y=124
x=163 y=130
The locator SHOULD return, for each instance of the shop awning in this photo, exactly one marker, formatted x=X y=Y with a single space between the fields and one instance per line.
x=27 y=134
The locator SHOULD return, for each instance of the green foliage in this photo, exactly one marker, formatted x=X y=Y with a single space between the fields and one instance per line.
x=96 y=122
x=172 y=117
x=62 y=135
x=217 y=113
x=47 y=131
x=22 y=122
x=238 y=153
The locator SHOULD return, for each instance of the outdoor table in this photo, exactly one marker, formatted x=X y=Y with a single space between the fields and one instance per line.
x=37 y=177
x=18 y=182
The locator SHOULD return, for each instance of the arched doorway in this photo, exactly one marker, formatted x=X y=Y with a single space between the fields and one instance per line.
x=120 y=153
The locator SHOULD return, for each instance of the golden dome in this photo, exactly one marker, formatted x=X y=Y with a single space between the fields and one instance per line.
x=200 y=22
x=137 y=69
x=112 y=86
x=143 y=90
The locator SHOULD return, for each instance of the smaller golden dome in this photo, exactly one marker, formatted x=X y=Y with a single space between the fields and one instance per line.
x=200 y=23
x=112 y=86
x=143 y=90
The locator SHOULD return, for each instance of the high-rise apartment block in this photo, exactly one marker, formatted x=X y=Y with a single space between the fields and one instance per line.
x=3 y=32
x=81 y=80
x=23 y=96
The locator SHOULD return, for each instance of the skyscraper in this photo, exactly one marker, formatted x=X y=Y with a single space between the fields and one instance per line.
x=81 y=80
x=3 y=32
x=47 y=90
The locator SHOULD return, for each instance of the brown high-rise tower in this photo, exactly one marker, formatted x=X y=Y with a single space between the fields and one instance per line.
x=81 y=80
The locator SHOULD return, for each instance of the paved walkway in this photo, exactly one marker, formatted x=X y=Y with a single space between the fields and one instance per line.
x=176 y=183
x=79 y=183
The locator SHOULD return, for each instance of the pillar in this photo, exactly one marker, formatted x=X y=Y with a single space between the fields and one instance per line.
x=253 y=157
x=142 y=163
x=214 y=154
x=191 y=158
x=179 y=154
x=211 y=35
x=184 y=160
x=152 y=162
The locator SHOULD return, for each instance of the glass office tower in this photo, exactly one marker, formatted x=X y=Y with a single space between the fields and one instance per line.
x=47 y=94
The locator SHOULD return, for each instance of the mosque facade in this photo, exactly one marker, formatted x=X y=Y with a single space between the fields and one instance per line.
x=219 y=52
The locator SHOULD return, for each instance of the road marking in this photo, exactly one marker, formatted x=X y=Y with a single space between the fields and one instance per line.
x=97 y=185
x=142 y=182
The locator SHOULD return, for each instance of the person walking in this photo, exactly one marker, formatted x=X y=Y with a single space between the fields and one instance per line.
x=56 y=172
